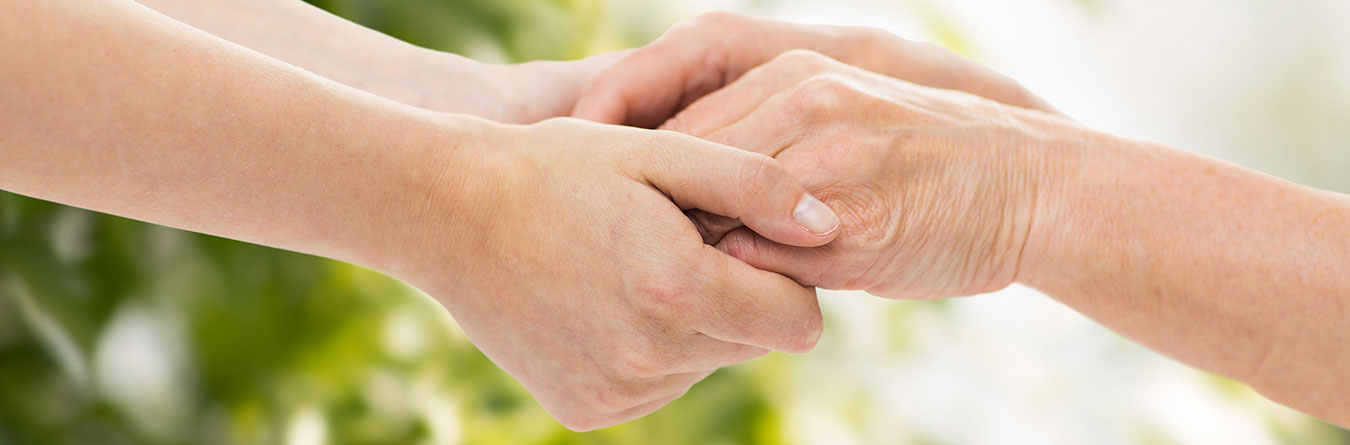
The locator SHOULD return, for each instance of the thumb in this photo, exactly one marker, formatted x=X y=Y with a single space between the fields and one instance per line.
x=741 y=185
x=649 y=85
x=642 y=89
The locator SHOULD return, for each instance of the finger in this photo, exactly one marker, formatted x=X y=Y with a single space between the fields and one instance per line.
x=649 y=85
x=806 y=266
x=767 y=130
x=698 y=57
x=712 y=227
x=648 y=389
x=631 y=399
x=701 y=353
x=728 y=105
x=754 y=307
x=662 y=388
x=737 y=184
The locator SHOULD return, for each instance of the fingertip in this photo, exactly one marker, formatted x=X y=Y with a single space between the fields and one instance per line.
x=800 y=264
x=712 y=227
x=812 y=224
x=739 y=244
x=817 y=218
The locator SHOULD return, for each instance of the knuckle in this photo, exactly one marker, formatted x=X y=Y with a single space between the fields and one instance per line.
x=819 y=96
x=873 y=37
x=719 y=19
x=825 y=87
x=641 y=360
x=802 y=60
x=807 y=335
x=757 y=175
x=666 y=295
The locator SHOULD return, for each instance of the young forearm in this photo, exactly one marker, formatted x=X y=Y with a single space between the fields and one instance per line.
x=292 y=31
x=332 y=47
x=114 y=108
x=1221 y=267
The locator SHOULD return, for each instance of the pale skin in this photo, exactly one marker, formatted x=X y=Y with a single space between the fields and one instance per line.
x=308 y=37
x=698 y=56
x=1109 y=226
x=178 y=164
x=946 y=194
x=560 y=247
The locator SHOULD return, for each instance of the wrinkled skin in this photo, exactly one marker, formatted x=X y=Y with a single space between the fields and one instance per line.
x=936 y=189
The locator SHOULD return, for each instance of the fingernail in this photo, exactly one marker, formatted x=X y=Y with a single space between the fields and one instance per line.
x=815 y=215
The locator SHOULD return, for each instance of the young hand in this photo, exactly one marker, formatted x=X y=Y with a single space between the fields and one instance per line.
x=558 y=249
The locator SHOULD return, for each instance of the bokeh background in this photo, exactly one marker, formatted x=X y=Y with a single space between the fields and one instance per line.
x=114 y=331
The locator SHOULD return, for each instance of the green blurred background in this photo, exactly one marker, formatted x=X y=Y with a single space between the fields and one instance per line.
x=114 y=331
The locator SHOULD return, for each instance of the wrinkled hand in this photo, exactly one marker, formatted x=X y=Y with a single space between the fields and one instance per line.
x=578 y=275
x=649 y=85
x=937 y=190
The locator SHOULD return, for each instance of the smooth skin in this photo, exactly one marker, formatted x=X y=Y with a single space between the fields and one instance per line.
x=308 y=37
x=946 y=194
x=560 y=247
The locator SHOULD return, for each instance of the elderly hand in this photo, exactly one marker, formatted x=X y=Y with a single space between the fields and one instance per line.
x=649 y=85
x=558 y=249
x=938 y=190
x=945 y=194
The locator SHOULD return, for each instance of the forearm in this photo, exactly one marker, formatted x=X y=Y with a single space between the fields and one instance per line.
x=1221 y=267
x=330 y=46
x=114 y=108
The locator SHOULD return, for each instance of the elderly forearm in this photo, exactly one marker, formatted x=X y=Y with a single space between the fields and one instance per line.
x=111 y=107
x=1218 y=266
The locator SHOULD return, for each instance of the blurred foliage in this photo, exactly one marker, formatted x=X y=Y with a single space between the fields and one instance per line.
x=517 y=30
x=114 y=331
x=246 y=341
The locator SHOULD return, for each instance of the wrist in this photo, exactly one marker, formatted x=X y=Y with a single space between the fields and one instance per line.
x=439 y=193
x=1079 y=200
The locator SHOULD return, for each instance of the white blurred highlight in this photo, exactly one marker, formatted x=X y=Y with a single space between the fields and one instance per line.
x=139 y=367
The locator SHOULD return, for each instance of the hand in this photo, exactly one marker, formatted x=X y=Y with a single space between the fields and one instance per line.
x=559 y=251
x=694 y=58
x=937 y=190
x=946 y=194
x=518 y=93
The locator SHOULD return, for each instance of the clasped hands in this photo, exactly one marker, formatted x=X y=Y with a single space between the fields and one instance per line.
x=804 y=156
